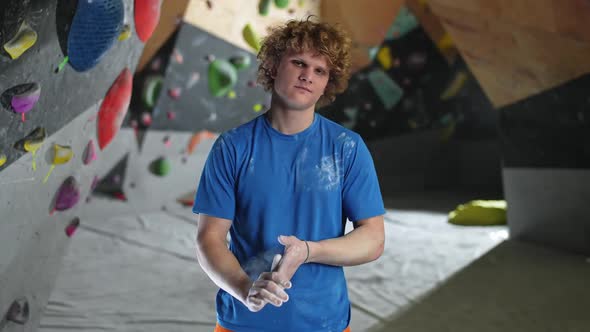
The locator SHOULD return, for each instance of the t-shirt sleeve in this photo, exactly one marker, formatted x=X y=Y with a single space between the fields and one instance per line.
x=216 y=190
x=361 y=194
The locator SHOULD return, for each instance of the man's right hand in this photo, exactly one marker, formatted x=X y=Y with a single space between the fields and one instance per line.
x=268 y=288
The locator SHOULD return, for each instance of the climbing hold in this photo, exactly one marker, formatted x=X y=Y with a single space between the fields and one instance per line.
x=301 y=3
x=72 y=226
x=257 y=107
x=160 y=166
x=146 y=119
x=3 y=159
x=291 y=11
x=222 y=77
x=171 y=115
x=147 y=15
x=210 y=57
x=445 y=43
x=455 y=86
x=67 y=195
x=151 y=91
x=384 y=57
x=31 y=143
x=264 y=7
x=61 y=155
x=89 y=153
x=209 y=4
x=24 y=39
x=61 y=66
x=479 y=213
x=416 y=61
x=403 y=23
x=114 y=107
x=386 y=89
x=231 y=95
x=282 y=3
x=193 y=80
x=125 y=33
x=34 y=141
x=251 y=84
x=197 y=138
x=251 y=37
x=95 y=28
x=21 y=98
x=174 y=93
x=241 y=61
x=177 y=56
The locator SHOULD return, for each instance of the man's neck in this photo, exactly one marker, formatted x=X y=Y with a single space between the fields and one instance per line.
x=290 y=122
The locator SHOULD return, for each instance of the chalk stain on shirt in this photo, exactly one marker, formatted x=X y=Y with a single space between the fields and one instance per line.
x=251 y=166
x=328 y=172
x=348 y=145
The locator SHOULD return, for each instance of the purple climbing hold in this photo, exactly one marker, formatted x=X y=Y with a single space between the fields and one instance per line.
x=90 y=153
x=68 y=194
x=21 y=98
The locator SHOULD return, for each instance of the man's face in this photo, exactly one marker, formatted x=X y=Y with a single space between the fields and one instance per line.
x=300 y=79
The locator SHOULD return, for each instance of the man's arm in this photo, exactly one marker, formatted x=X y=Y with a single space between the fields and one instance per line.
x=362 y=245
x=225 y=271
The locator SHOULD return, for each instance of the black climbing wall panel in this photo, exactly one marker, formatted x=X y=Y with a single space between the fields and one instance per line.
x=184 y=62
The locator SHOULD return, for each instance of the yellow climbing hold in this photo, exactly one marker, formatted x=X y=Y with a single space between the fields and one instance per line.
x=231 y=95
x=445 y=43
x=455 y=86
x=2 y=159
x=251 y=37
x=257 y=108
x=479 y=213
x=62 y=154
x=24 y=39
x=301 y=3
x=384 y=57
x=125 y=33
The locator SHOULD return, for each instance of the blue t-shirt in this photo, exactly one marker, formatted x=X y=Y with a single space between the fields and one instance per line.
x=307 y=185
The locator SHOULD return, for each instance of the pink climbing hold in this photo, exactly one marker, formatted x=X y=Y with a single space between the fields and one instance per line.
x=146 y=119
x=171 y=115
x=114 y=107
x=174 y=93
x=90 y=153
x=71 y=228
x=67 y=195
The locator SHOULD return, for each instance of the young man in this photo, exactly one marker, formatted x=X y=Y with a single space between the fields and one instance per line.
x=283 y=186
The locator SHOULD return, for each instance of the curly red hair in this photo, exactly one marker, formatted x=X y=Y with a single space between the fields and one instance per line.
x=298 y=36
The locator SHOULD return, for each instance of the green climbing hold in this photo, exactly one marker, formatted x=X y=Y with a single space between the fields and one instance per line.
x=160 y=166
x=282 y=3
x=264 y=7
x=251 y=37
x=151 y=91
x=385 y=87
x=241 y=61
x=222 y=77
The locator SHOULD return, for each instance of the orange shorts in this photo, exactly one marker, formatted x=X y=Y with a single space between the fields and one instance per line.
x=218 y=328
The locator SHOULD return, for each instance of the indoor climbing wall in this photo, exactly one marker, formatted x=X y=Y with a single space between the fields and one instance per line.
x=519 y=49
x=65 y=82
x=241 y=22
x=417 y=89
x=531 y=59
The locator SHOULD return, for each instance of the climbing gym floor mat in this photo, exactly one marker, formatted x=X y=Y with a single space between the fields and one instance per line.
x=132 y=270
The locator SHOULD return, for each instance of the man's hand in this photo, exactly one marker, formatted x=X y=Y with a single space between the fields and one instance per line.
x=268 y=288
x=295 y=254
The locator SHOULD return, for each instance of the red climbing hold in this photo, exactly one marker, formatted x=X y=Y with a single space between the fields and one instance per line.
x=71 y=228
x=147 y=15
x=114 y=107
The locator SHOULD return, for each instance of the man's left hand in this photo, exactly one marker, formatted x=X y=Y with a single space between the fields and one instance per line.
x=295 y=254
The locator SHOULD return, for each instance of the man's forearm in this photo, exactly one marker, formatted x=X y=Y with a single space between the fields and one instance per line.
x=223 y=268
x=362 y=245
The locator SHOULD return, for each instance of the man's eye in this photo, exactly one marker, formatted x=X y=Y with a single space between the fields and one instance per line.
x=298 y=63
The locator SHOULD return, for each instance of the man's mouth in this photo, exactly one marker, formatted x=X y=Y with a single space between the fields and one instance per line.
x=303 y=88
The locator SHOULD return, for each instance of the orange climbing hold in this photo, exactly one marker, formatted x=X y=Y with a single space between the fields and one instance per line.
x=197 y=138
